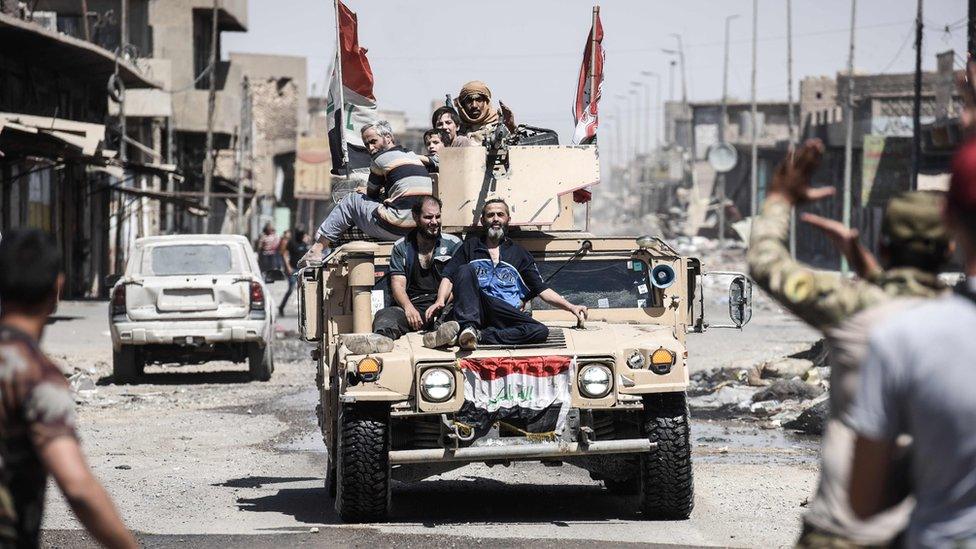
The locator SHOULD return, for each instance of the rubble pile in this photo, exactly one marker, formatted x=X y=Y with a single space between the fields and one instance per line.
x=789 y=392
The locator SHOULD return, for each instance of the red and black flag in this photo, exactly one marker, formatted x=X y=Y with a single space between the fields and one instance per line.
x=585 y=112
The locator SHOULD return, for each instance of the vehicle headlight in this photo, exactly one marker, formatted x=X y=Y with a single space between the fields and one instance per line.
x=662 y=360
x=437 y=384
x=595 y=381
x=636 y=361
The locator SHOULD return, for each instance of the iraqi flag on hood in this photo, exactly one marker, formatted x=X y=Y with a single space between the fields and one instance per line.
x=354 y=93
x=585 y=110
x=529 y=394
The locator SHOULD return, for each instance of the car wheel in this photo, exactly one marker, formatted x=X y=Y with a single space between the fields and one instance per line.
x=125 y=365
x=667 y=487
x=260 y=362
x=363 y=464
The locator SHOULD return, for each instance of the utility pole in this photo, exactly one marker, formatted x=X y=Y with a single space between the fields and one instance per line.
x=626 y=146
x=658 y=111
x=917 y=99
x=790 y=116
x=684 y=70
x=849 y=140
x=243 y=145
x=671 y=79
x=645 y=138
x=754 y=162
x=721 y=134
x=208 y=163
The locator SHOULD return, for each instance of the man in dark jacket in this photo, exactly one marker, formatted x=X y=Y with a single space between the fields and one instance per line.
x=417 y=263
x=492 y=277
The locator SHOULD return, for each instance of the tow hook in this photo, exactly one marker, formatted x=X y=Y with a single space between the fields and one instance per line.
x=454 y=433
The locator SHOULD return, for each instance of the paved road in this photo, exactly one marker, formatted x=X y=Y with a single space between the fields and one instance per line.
x=207 y=458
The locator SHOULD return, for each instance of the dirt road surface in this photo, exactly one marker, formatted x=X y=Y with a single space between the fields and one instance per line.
x=201 y=456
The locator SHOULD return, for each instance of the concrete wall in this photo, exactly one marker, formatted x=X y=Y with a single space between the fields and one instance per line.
x=172 y=24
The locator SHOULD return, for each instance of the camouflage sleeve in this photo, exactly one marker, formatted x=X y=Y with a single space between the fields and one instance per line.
x=820 y=299
x=48 y=406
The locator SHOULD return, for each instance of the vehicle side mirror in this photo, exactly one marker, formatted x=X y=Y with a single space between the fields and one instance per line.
x=740 y=301
x=274 y=275
x=111 y=279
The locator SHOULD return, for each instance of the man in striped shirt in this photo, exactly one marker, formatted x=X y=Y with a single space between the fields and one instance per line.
x=397 y=180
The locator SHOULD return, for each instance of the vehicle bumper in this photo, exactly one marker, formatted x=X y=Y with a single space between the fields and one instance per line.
x=171 y=332
x=523 y=452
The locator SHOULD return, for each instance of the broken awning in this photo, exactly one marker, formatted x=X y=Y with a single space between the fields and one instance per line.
x=23 y=134
x=68 y=55
x=192 y=206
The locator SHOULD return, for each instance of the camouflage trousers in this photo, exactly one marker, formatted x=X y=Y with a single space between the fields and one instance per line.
x=814 y=538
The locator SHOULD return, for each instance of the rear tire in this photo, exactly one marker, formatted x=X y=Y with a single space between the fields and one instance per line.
x=667 y=487
x=363 y=464
x=260 y=362
x=126 y=366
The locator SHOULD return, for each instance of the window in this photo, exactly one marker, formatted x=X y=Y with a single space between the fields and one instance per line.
x=600 y=283
x=191 y=259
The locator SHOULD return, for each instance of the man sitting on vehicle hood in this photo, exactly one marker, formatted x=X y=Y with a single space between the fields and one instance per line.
x=416 y=265
x=491 y=278
x=478 y=118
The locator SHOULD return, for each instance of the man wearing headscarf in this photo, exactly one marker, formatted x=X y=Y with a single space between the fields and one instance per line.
x=478 y=117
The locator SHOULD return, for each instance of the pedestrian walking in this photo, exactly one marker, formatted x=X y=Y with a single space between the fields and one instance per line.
x=915 y=245
x=37 y=416
x=293 y=249
x=268 y=248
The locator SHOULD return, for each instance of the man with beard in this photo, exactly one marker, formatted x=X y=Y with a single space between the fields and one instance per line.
x=397 y=181
x=478 y=118
x=491 y=278
x=416 y=263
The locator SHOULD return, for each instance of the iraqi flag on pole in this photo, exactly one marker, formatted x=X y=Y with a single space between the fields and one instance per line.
x=351 y=87
x=585 y=111
x=527 y=394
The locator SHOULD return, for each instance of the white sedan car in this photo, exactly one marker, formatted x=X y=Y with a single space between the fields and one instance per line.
x=189 y=299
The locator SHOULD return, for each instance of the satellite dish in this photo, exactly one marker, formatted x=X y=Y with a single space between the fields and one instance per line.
x=722 y=157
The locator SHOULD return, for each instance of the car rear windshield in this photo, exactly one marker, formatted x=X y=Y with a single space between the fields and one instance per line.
x=600 y=283
x=191 y=259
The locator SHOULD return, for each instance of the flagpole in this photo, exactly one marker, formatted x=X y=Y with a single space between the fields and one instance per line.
x=593 y=90
x=342 y=100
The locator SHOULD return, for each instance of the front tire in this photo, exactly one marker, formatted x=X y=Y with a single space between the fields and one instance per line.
x=667 y=487
x=126 y=366
x=363 y=464
x=260 y=362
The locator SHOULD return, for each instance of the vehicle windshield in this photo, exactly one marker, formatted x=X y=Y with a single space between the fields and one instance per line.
x=191 y=259
x=599 y=283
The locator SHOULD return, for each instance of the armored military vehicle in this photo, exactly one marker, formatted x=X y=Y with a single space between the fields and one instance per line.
x=606 y=395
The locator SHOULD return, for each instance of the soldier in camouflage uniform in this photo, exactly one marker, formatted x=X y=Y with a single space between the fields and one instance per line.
x=915 y=246
x=37 y=416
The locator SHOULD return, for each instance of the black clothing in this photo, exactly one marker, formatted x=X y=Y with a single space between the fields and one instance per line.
x=499 y=322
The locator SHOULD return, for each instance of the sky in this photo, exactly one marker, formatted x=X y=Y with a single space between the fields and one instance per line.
x=529 y=51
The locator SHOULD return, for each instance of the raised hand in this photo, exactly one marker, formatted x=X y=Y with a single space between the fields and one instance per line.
x=791 y=180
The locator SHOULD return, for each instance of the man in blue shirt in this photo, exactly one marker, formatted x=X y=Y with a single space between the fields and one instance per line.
x=416 y=267
x=491 y=278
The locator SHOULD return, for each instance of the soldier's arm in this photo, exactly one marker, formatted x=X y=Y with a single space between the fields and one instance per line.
x=818 y=298
x=88 y=499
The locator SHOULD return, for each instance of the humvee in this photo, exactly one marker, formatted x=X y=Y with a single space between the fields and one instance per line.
x=606 y=395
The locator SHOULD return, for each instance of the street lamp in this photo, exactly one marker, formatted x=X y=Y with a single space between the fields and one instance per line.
x=721 y=134
x=658 y=112
x=645 y=143
x=680 y=52
x=623 y=143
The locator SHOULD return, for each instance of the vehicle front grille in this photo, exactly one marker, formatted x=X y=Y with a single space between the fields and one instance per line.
x=556 y=340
